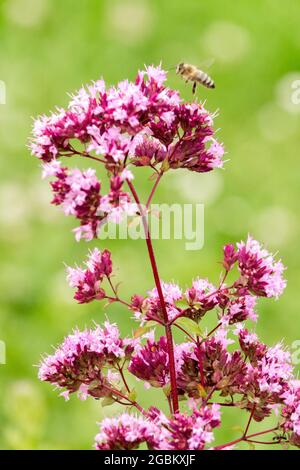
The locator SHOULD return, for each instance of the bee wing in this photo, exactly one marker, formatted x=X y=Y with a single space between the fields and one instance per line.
x=206 y=64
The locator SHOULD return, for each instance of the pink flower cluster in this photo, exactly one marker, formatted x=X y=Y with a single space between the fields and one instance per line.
x=187 y=432
x=259 y=376
x=78 y=194
x=182 y=432
x=269 y=373
x=142 y=124
x=235 y=303
x=144 y=121
x=125 y=432
x=291 y=412
x=78 y=365
x=260 y=273
x=88 y=281
x=151 y=363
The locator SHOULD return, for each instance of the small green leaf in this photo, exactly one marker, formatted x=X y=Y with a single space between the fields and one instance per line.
x=165 y=166
x=107 y=401
x=132 y=395
x=167 y=390
x=189 y=325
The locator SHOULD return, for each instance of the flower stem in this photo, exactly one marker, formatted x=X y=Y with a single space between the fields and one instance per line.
x=210 y=333
x=130 y=402
x=117 y=299
x=83 y=154
x=167 y=325
x=185 y=332
x=120 y=369
x=249 y=421
x=245 y=438
x=153 y=190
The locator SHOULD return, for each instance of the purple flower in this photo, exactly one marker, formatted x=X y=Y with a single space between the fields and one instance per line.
x=239 y=310
x=149 y=308
x=143 y=122
x=187 y=432
x=77 y=365
x=88 y=281
x=210 y=366
x=250 y=345
x=230 y=256
x=291 y=412
x=259 y=271
x=117 y=202
x=201 y=297
x=125 y=432
x=151 y=363
x=196 y=150
x=268 y=375
x=78 y=193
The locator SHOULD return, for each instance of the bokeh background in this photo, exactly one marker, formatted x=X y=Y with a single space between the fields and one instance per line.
x=50 y=47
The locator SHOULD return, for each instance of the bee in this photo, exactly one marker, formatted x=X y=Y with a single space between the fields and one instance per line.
x=190 y=73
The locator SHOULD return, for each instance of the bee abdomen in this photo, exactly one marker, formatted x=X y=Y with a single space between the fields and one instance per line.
x=206 y=80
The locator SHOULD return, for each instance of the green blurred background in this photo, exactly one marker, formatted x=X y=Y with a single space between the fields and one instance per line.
x=50 y=47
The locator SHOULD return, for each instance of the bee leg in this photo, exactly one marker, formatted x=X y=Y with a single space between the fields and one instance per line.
x=194 y=87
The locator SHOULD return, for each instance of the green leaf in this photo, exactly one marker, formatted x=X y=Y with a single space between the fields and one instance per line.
x=132 y=395
x=165 y=166
x=189 y=325
x=107 y=401
x=167 y=390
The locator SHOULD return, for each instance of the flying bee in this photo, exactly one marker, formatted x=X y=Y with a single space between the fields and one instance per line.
x=190 y=73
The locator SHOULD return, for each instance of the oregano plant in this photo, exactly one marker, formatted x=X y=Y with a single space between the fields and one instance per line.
x=123 y=128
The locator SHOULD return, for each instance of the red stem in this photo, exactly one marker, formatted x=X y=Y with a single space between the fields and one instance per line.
x=249 y=421
x=262 y=432
x=153 y=190
x=185 y=332
x=82 y=154
x=244 y=438
x=133 y=403
x=264 y=442
x=117 y=299
x=200 y=364
x=120 y=369
x=167 y=325
x=211 y=332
